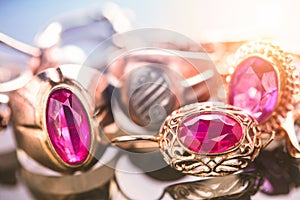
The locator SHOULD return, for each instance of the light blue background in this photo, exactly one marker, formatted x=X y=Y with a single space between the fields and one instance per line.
x=23 y=19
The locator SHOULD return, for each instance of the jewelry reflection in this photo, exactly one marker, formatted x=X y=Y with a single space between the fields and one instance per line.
x=8 y=168
x=87 y=185
x=281 y=172
x=56 y=117
x=8 y=159
x=237 y=186
x=167 y=184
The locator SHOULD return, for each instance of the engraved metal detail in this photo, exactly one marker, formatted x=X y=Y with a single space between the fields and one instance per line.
x=289 y=80
x=205 y=164
x=151 y=98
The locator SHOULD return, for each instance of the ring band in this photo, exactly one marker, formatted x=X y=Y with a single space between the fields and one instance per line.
x=265 y=81
x=56 y=117
x=208 y=139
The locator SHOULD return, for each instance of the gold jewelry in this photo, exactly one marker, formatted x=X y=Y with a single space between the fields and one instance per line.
x=264 y=80
x=56 y=117
x=207 y=139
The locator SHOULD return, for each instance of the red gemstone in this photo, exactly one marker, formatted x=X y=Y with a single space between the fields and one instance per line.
x=209 y=133
x=68 y=126
x=254 y=87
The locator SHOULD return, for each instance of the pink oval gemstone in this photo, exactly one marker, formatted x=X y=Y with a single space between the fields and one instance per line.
x=68 y=126
x=209 y=133
x=254 y=87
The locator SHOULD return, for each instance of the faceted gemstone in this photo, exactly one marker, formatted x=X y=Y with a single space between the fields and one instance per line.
x=68 y=126
x=209 y=133
x=254 y=87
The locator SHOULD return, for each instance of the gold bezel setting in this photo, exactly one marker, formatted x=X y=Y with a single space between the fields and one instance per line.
x=29 y=108
x=80 y=94
x=286 y=74
x=186 y=161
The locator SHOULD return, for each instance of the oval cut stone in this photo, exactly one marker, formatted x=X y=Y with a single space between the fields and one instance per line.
x=254 y=87
x=68 y=126
x=210 y=133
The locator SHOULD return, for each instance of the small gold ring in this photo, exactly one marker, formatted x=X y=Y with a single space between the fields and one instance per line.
x=56 y=117
x=208 y=139
x=263 y=80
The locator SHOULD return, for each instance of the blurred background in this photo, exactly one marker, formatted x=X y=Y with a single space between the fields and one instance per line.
x=201 y=20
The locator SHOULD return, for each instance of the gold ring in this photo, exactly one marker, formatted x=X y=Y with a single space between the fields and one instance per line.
x=208 y=139
x=149 y=83
x=56 y=117
x=263 y=80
